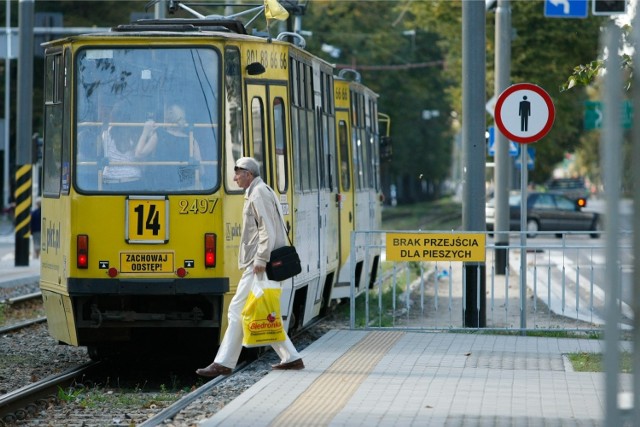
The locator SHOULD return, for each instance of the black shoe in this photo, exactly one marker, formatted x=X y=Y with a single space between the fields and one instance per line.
x=214 y=370
x=295 y=365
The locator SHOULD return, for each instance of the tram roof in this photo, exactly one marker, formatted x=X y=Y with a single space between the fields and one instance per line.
x=213 y=26
x=173 y=27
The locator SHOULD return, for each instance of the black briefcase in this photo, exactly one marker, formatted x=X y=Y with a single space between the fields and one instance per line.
x=283 y=264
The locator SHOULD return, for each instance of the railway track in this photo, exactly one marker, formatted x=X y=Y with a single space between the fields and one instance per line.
x=171 y=411
x=22 y=298
x=114 y=395
x=14 y=304
x=19 y=404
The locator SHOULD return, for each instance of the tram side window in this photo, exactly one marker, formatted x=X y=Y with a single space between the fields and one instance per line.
x=364 y=158
x=345 y=169
x=375 y=144
x=356 y=141
x=303 y=149
x=368 y=138
x=357 y=158
x=295 y=143
x=53 y=125
x=328 y=135
x=295 y=136
x=310 y=139
x=234 y=135
x=295 y=92
x=332 y=129
x=313 y=152
x=279 y=126
x=304 y=130
x=257 y=126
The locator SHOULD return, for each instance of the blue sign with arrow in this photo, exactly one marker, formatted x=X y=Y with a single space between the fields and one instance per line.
x=531 y=159
x=513 y=148
x=566 y=8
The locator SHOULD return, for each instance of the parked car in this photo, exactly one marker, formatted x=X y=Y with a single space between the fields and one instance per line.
x=573 y=188
x=548 y=212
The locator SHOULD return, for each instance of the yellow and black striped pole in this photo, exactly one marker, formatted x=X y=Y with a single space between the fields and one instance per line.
x=23 y=213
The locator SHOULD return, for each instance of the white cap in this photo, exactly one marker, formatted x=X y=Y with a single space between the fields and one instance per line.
x=248 y=164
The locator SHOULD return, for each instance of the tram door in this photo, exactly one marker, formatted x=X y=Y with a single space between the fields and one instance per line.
x=346 y=202
x=268 y=140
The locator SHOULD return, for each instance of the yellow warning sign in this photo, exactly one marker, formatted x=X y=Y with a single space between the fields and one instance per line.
x=436 y=247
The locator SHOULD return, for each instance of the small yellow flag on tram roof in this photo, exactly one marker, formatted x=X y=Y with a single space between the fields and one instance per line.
x=274 y=10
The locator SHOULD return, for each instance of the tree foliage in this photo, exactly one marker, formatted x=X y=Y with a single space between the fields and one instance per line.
x=405 y=65
x=410 y=52
x=543 y=52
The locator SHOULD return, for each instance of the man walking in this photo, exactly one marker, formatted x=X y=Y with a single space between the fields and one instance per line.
x=262 y=232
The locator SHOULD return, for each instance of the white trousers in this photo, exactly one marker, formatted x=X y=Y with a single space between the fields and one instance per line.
x=231 y=345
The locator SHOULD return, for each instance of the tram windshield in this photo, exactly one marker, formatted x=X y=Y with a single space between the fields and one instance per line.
x=147 y=120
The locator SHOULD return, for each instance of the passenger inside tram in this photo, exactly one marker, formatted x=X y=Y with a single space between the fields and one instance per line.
x=175 y=159
x=119 y=142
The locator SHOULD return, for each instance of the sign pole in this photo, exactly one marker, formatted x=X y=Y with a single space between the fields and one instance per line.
x=524 y=113
x=502 y=170
x=523 y=237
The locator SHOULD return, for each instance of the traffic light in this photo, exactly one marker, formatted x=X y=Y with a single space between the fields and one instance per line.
x=609 y=7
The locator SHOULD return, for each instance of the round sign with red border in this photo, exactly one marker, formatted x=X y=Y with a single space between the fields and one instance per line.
x=524 y=113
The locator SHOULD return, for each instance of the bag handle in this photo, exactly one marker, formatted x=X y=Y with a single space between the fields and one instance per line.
x=277 y=203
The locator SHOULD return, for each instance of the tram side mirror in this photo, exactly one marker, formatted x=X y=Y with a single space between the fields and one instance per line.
x=385 y=149
x=255 y=69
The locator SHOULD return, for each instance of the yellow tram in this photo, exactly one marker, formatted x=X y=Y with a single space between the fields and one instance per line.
x=140 y=237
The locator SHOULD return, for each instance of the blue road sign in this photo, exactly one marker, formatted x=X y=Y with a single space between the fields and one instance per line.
x=566 y=8
x=513 y=147
x=531 y=159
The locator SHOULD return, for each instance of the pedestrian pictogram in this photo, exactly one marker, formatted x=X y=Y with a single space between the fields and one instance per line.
x=524 y=113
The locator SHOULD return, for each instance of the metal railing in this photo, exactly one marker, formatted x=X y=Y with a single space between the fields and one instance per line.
x=562 y=288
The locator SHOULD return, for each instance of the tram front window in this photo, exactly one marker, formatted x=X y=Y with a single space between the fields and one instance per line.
x=147 y=120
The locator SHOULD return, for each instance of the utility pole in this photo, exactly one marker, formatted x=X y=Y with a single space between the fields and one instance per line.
x=611 y=153
x=7 y=107
x=473 y=142
x=502 y=170
x=24 y=127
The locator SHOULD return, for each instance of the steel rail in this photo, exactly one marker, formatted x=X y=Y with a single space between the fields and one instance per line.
x=21 y=298
x=171 y=411
x=174 y=409
x=15 y=401
x=21 y=325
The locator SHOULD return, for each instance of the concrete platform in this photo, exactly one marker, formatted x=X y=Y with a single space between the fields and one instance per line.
x=394 y=378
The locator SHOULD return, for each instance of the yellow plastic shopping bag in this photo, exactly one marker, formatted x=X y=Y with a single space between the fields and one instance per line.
x=261 y=316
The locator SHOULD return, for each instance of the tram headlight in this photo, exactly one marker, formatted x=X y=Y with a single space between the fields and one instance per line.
x=82 y=251
x=209 y=250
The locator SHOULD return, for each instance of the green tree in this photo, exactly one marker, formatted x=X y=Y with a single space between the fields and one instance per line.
x=404 y=64
x=543 y=52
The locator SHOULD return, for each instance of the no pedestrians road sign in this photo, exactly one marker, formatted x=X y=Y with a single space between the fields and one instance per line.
x=524 y=113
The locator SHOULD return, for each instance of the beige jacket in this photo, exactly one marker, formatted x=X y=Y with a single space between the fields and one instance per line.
x=262 y=226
